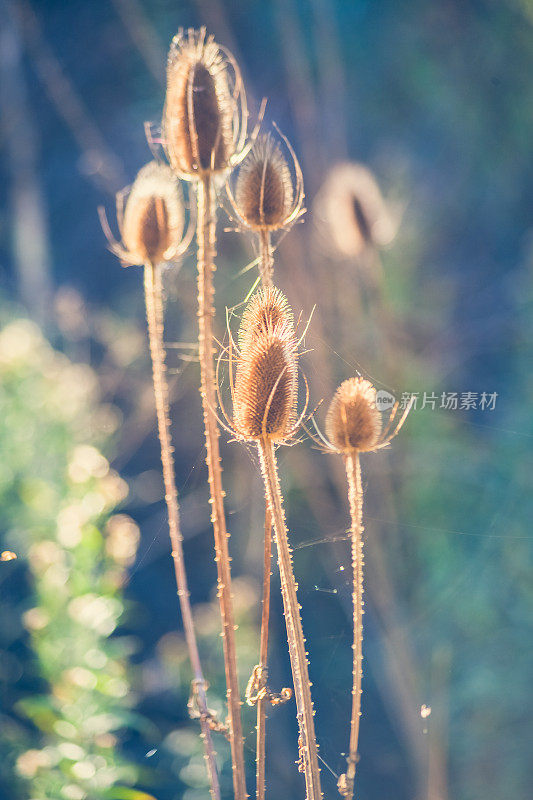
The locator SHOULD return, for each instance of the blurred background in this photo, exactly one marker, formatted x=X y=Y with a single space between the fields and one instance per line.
x=413 y=123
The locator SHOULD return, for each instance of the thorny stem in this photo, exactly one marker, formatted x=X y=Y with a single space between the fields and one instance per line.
x=206 y=252
x=266 y=269
x=154 y=315
x=266 y=259
x=295 y=637
x=355 y=496
x=263 y=661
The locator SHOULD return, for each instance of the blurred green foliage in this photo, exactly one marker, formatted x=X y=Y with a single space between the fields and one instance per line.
x=58 y=495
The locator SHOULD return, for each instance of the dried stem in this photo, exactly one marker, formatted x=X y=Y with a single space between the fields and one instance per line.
x=154 y=314
x=206 y=267
x=355 y=495
x=295 y=637
x=266 y=259
x=263 y=662
x=266 y=268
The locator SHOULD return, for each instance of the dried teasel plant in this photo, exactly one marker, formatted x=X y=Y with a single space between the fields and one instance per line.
x=267 y=195
x=151 y=220
x=264 y=397
x=204 y=134
x=354 y=426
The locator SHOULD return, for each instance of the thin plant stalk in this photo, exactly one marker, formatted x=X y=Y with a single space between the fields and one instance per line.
x=266 y=271
x=308 y=751
x=263 y=661
x=206 y=251
x=266 y=258
x=355 y=496
x=154 y=315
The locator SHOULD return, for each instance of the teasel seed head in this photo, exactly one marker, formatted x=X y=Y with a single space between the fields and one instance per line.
x=263 y=189
x=351 y=212
x=353 y=422
x=151 y=218
x=264 y=314
x=154 y=217
x=266 y=382
x=267 y=194
x=200 y=119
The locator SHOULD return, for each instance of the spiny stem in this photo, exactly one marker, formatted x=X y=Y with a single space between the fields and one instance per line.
x=295 y=637
x=206 y=252
x=266 y=259
x=355 y=496
x=154 y=315
x=263 y=661
x=266 y=270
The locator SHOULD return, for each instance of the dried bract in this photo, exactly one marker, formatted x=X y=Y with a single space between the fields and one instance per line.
x=204 y=120
x=353 y=422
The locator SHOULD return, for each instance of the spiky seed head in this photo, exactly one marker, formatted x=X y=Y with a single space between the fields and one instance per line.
x=266 y=382
x=353 y=421
x=154 y=218
x=271 y=307
x=263 y=191
x=198 y=119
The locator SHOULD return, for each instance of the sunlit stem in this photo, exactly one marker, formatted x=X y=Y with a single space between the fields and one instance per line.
x=206 y=267
x=263 y=661
x=154 y=315
x=295 y=637
x=266 y=269
x=355 y=496
x=266 y=259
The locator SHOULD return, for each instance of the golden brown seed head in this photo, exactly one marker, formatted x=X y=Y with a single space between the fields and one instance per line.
x=353 y=421
x=153 y=223
x=198 y=120
x=263 y=192
x=266 y=383
x=269 y=309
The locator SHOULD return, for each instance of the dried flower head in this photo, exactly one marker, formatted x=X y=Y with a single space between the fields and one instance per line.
x=268 y=309
x=265 y=389
x=205 y=115
x=266 y=381
x=266 y=196
x=151 y=218
x=352 y=212
x=353 y=421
